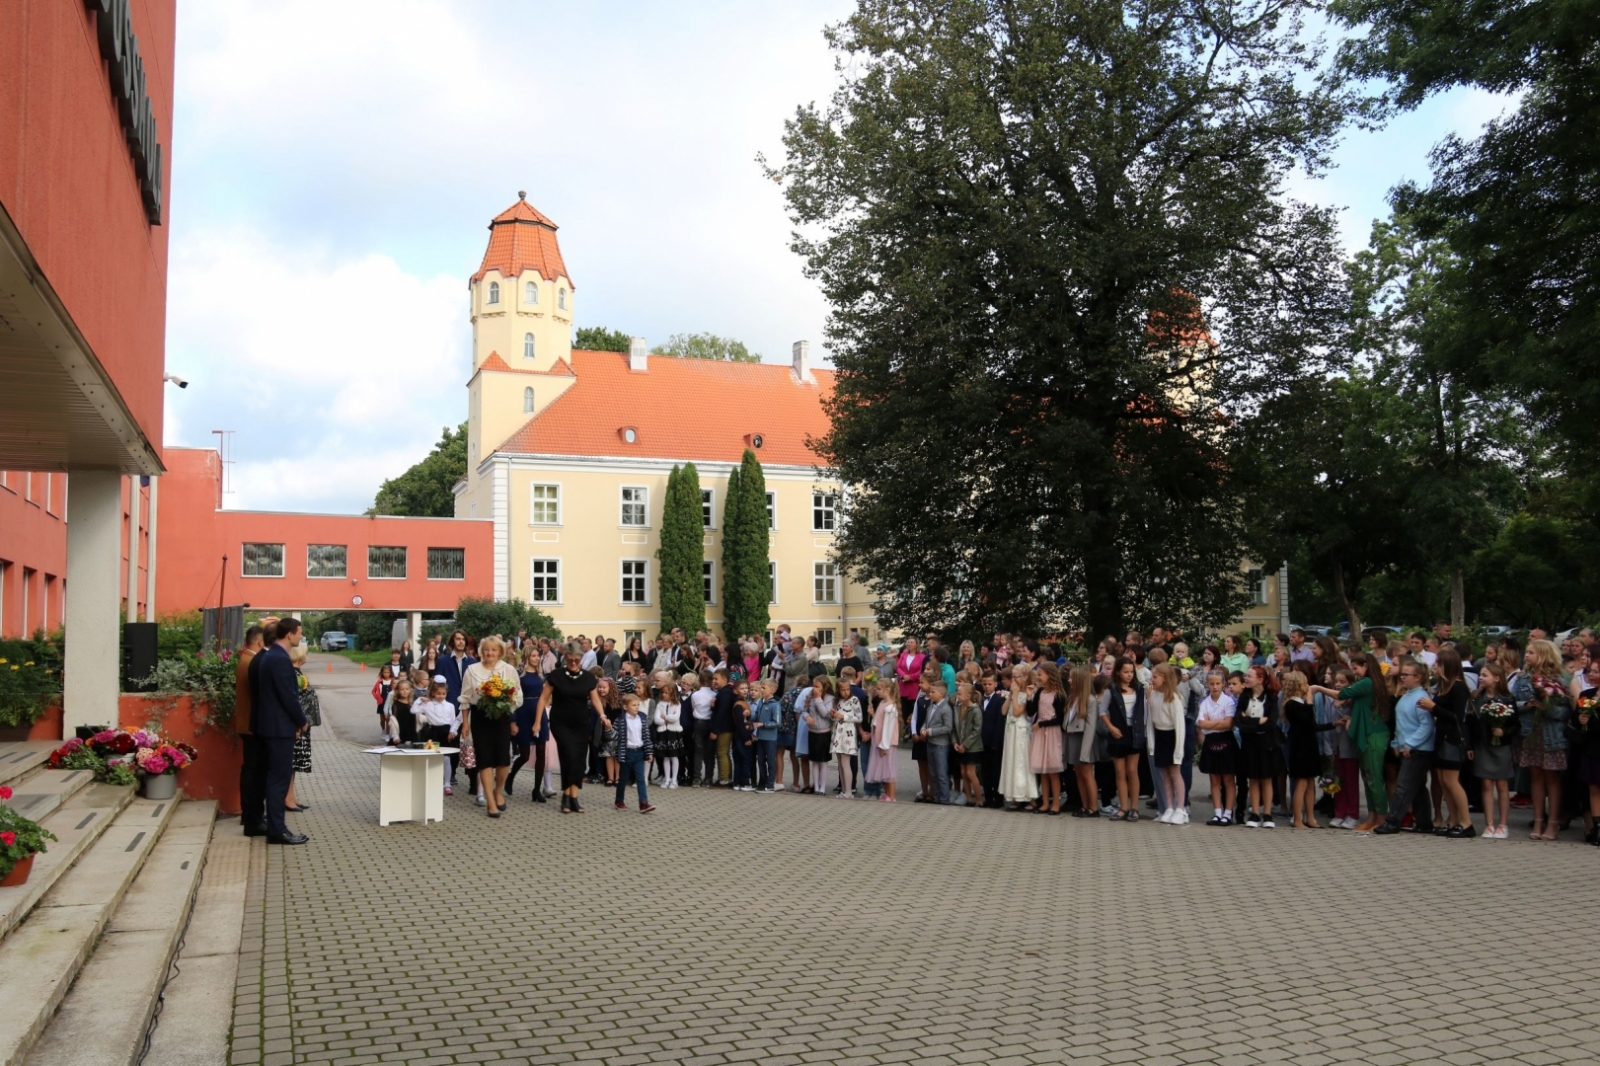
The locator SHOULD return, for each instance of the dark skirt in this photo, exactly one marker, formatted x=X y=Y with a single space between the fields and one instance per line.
x=572 y=748
x=491 y=741
x=1589 y=769
x=1260 y=756
x=669 y=745
x=919 y=751
x=786 y=741
x=1219 y=754
x=819 y=747
x=1166 y=747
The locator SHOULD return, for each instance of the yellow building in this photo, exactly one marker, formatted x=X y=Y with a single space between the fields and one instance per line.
x=569 y=452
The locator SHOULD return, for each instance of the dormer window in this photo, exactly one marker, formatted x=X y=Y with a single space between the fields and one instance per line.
x=494 y=292
x=530 y=294
x=527 y=401
x=561 y=299
x=527 y=346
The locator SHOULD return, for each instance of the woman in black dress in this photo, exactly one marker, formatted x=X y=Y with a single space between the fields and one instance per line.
x=569 y=695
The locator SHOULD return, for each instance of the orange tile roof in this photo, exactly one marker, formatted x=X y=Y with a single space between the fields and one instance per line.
x=686 y=409
x=522 y=238
x=494 y=362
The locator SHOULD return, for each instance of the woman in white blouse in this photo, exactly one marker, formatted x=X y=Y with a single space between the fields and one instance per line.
x=490 y=737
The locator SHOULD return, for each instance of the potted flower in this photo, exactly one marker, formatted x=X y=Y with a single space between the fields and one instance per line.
x=158 y=766
x=20 y=840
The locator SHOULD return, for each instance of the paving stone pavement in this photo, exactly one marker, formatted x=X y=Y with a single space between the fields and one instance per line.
x=783 y=929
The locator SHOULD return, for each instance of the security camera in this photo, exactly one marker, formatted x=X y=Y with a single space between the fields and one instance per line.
x=176 y=380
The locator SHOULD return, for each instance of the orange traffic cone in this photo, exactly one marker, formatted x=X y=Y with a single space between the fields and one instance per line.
x=363 y=668
x=330 y=668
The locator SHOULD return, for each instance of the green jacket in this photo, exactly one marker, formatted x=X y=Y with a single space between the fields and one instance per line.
x=969 y=729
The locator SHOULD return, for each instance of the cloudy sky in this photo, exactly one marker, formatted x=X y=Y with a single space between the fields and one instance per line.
x=335 y=167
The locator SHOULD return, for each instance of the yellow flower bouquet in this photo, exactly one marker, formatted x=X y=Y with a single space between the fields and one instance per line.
x=494 y=697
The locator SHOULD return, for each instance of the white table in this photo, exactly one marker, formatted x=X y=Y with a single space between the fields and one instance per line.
x=411 y=784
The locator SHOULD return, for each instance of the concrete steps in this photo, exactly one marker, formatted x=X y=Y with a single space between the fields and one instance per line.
x=43 y=791
x=102 y=1021
x=42 y=957
x=78 y=824
x=20 y=758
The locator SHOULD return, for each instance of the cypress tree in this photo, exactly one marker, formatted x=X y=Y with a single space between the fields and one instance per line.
x=745 y=582
x=683 y=598
x=733 y=554
x=754 y=577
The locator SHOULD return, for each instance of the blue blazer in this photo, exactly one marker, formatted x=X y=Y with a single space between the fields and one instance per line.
x=274 y=695
x=452 y=674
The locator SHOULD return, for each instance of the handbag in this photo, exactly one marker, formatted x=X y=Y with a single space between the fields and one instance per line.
x=311 y=706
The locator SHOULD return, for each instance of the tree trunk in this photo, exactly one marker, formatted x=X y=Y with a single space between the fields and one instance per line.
x=1346 y=602
x=1458 y=598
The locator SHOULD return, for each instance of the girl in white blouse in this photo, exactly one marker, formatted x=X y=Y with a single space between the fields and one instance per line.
x=666 y=714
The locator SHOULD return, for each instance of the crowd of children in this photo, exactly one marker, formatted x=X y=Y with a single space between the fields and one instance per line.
x=1289 y=732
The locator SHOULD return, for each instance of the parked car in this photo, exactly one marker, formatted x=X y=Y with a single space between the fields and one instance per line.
x=1496 y=631
x=334 y=640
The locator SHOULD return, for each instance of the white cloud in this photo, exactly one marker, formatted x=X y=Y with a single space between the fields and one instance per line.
x=361 y=362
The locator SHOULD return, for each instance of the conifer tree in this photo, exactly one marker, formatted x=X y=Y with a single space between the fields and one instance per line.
x=732 y=559
x=683 y=598
x=745 y=582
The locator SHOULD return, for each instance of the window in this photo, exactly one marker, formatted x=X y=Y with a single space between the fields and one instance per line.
x=561 y=299
x=494 y=292
x=546 y=581
x=772 y=582
x=635 y=506
x=527 y=400
x=708 y=508
x=825 y=583
x=824 y=637
x=824 y=511
x=530 y=294
x=386 y=562
x=263 y=560
x=634 y=573
x=527 y=346
x=1256 y=581
x=545 y=501
x=772 y=512
x=326 y=560
x=708 y=574
x=447 y=564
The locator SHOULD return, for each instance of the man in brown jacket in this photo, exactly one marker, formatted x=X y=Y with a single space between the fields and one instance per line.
x=252 y=770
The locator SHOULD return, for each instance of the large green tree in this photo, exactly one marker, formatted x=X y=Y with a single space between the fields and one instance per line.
x=746 y=585
x=427 y=489
x=1059 y=249
x=1518 y=203
x=708 y=346
x=682 y=554
x=601 y=339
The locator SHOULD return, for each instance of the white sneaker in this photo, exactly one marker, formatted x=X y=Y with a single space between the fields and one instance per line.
x=777 y=788
x=1183 y=817
x=483 y=801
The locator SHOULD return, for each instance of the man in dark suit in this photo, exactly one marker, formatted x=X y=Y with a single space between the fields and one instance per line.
x=275 y=720
x=252 y=774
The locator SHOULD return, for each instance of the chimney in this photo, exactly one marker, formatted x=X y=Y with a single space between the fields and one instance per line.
x=639 y=354
x=802 y=360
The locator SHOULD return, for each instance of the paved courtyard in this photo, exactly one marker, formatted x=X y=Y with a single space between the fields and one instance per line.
x=785 y=929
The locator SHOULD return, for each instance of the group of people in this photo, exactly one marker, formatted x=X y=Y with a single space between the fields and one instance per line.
x=274 y=710
x=1426 y=728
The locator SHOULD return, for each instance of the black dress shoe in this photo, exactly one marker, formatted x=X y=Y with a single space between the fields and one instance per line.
x=288 y=838
x=1385 y=829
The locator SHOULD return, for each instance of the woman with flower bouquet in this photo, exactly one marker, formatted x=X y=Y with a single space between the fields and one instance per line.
x=1494 y=725
x=1545 y=705
x=490 y=692
x=1584 y=729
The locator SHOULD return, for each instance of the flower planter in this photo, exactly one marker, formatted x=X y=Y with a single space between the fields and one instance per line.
x=158 y=786
x=19 y=873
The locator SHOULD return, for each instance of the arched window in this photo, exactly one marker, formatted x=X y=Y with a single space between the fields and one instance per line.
x=561 y=299
x=494 y=292
x=530 y=294
x=527 y=401
x=527 y=346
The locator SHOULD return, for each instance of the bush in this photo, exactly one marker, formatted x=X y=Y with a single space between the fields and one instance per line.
x=206 y=678
x=481 y=617
x=375 y=630
x=30 y=675
x=178 y=633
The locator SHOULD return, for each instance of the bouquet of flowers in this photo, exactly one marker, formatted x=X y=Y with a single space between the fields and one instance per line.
x=1585 y=705
x=1330 y=784
x=164 y=759
x=494 y=697
x=1498 y=714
